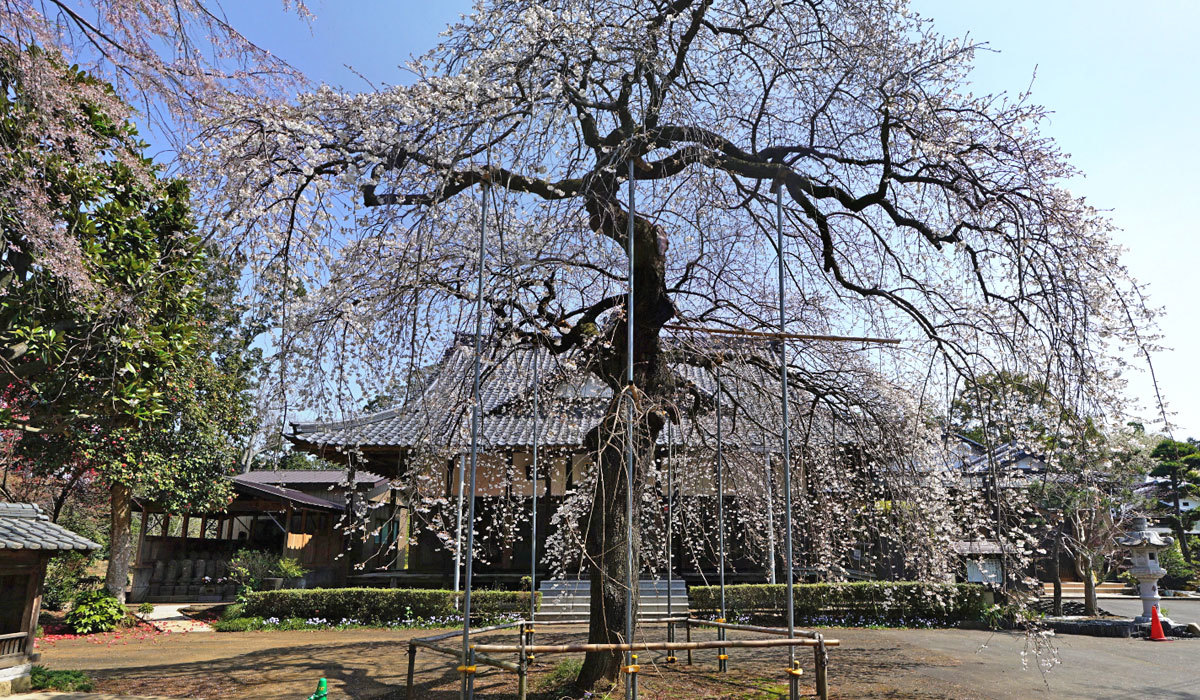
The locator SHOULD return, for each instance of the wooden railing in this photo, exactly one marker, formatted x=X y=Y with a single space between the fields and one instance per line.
x=13 y=643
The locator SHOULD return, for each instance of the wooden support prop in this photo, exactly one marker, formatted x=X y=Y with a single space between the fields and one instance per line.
x=650 y=646
x=412 y=667
x=479 y=658
x=822 y=666
x=780 y=631
x=688 y=629
x=784 y=336
x=474 y=631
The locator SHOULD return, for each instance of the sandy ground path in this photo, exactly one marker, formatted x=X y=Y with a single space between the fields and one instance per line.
x=922 y=664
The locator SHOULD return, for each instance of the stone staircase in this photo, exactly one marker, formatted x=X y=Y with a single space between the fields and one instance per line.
x=571 y=599
x=1074 y=589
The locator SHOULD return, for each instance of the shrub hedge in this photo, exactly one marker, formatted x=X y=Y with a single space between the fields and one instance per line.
x=868 y=602
x=381 y=605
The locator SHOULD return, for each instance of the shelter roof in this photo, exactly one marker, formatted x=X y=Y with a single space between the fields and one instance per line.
x=25 y=526
x=280 y=493
x=309 y=477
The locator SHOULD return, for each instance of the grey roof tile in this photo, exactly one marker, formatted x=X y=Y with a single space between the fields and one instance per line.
x=307 y=477
x=25 y=526
x=571 y=404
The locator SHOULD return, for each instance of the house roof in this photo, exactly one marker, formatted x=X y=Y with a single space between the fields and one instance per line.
x=571 y=403
x=304 y=500
x=1007 y=456
x=25 y=526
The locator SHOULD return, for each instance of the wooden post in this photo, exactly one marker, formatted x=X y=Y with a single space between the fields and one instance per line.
x=166 y=524
x=33 y=602
x=412 y=662
x=822 y=666
x=688 y=627
x=141 y=540
x=522 y=667
x=287 y=527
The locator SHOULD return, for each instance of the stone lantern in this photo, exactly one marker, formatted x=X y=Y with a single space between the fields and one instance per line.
x=1144 y=546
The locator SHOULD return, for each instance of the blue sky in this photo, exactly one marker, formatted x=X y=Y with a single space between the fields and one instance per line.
x=1121 y=79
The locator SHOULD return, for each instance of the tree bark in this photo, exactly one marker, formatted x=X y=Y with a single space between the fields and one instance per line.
x=1179 y=529
x=607 y=532
x=606 y=541
x=1083 y=567
x=120 y=547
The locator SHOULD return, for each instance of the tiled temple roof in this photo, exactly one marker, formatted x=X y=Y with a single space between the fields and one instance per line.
x=572 y=402
x=25 y=526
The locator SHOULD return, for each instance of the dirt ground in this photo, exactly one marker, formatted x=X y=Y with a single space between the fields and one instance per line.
x=925 y=664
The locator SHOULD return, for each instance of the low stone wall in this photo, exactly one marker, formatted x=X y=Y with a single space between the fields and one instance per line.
x=15 y=679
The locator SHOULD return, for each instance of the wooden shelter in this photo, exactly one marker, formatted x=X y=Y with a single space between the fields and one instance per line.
x=27 y=542
x=185 y=557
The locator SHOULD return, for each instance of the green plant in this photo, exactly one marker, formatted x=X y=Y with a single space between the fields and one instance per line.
x=526 y=583
x=894 y=603
x=288 y=567
x=238 y=624
x=42 y=678
x=1179 y=572
x=146 y=607
x=249 y=567
x=383 y=605
x=95 y=611
x=65 y=576
x=559 y=679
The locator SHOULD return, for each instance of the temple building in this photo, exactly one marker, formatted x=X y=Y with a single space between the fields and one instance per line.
x=423 y=447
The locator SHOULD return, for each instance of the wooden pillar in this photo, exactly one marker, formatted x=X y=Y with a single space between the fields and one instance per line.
x=287 y=527
x=166 y=525
x=141 y=539
x=33 y=602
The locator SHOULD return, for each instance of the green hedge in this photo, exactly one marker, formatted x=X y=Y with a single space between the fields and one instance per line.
x=869 y=602
x=381 y=605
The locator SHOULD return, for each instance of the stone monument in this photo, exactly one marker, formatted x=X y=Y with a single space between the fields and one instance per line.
x=1144 y=545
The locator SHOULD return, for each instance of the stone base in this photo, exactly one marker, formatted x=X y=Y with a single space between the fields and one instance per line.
x=15 y=679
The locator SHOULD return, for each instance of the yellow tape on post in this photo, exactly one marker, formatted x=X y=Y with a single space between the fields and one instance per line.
x=466 y=669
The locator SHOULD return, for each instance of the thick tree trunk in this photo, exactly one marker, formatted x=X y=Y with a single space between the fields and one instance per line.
x=1179 y=529
x=607 y=537
x=607 y=528
x=120 y=547
x=1083 y=567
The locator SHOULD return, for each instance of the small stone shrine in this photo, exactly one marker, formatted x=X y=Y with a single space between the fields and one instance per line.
x=1144 y=546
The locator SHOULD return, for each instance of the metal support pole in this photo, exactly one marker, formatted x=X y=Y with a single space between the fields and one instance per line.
x=630 y=576
x=670 y=536
x=533 y=540
x=468 y=655
x=722 y=654
x=470 y=674
x=458 y=548
x=412 y=667
x=769 y=483
x=793 y=680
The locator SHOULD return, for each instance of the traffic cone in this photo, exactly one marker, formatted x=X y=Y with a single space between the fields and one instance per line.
x=1156 y=630
x=322 y=691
